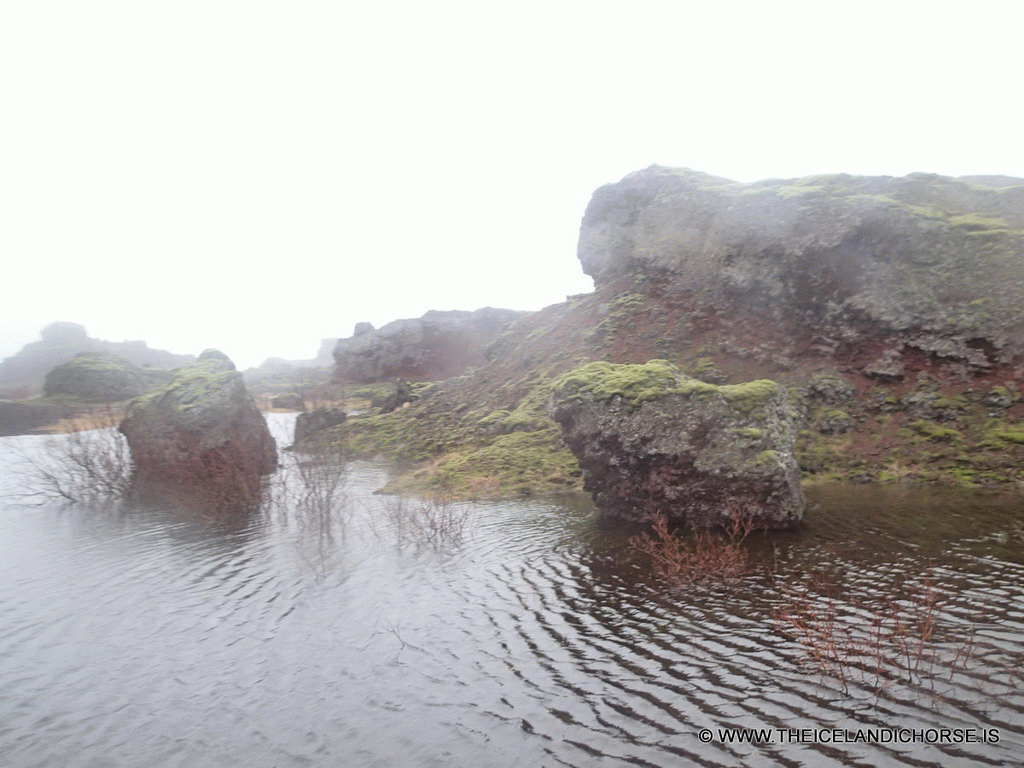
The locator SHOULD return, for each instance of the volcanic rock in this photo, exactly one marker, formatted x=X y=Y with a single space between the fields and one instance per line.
x=653 y=441
x=317 y=420
x=201 y=436
x=925 y=263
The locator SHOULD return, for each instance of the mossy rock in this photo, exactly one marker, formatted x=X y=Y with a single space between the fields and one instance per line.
x=102 y=377
x=633 y=385
x=935 y=432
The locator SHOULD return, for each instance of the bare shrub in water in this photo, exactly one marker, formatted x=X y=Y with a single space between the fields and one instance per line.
x=876 y=644
x=705 y=556
x=436 y=524
x=90 y=462
x=311 y=489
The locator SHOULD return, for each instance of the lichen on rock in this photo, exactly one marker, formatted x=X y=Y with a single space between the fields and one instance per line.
x=653 y=441
x=201 y=438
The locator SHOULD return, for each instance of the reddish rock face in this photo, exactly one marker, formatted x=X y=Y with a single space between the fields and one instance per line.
x=201 y=438
x=653 y=442
x=922 y=264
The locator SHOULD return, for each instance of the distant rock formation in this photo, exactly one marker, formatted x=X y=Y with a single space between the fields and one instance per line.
x=102 y=377
x=922 y=265
x=290 y=401
x=651 y=440
x=201 y=438
x=275 y=366
x=23 y=374
x=433 y=347
x=325 y=352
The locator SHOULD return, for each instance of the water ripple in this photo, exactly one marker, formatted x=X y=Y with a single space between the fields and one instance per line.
x=135 y=637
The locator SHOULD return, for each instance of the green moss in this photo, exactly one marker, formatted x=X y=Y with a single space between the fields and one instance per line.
x=101 y=361
x=954 y=403
x=974 y=222
x=633 y=384
x=760 y=390
x=195 y=382
x=464 y=443
x=514 y=464
x=1008 y=434
x=494 y=419
x=933 y=431
x=636 y=384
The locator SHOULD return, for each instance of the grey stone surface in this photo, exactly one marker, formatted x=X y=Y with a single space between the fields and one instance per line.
x=429 y=348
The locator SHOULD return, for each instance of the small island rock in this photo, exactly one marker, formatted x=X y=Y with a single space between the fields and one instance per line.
x=653 y=441
x=201 y=435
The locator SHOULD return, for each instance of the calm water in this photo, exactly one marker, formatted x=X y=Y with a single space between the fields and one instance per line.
x=155 y=638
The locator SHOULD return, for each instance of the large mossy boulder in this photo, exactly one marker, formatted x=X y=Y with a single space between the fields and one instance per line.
x=102 y=377
x=201 y=437
x=653 y=441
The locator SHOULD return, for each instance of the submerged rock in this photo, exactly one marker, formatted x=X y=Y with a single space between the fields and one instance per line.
x=102 y=377
x=201 y=437
x=653 y=441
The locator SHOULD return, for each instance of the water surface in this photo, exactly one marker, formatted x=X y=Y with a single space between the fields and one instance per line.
x=153 y=637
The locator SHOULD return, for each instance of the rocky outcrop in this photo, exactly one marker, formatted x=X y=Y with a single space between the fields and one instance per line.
x=102 y=377
x=316 y=421
x=290 y=401
x=652 y=441
x=201 y=438
x=399 y=395
x=433 y=347
x=923 y=265
x=891 y=309
x=23 y=374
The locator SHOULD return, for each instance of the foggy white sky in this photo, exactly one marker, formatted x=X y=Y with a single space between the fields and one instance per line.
x=255 y=176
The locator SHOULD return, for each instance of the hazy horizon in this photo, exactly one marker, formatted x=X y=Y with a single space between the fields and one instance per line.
x=255 y=178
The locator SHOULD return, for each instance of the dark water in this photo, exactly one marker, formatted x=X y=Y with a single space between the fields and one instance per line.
x=155 y=638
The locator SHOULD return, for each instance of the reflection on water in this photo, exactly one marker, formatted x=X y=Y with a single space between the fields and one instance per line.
x=149 y=637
